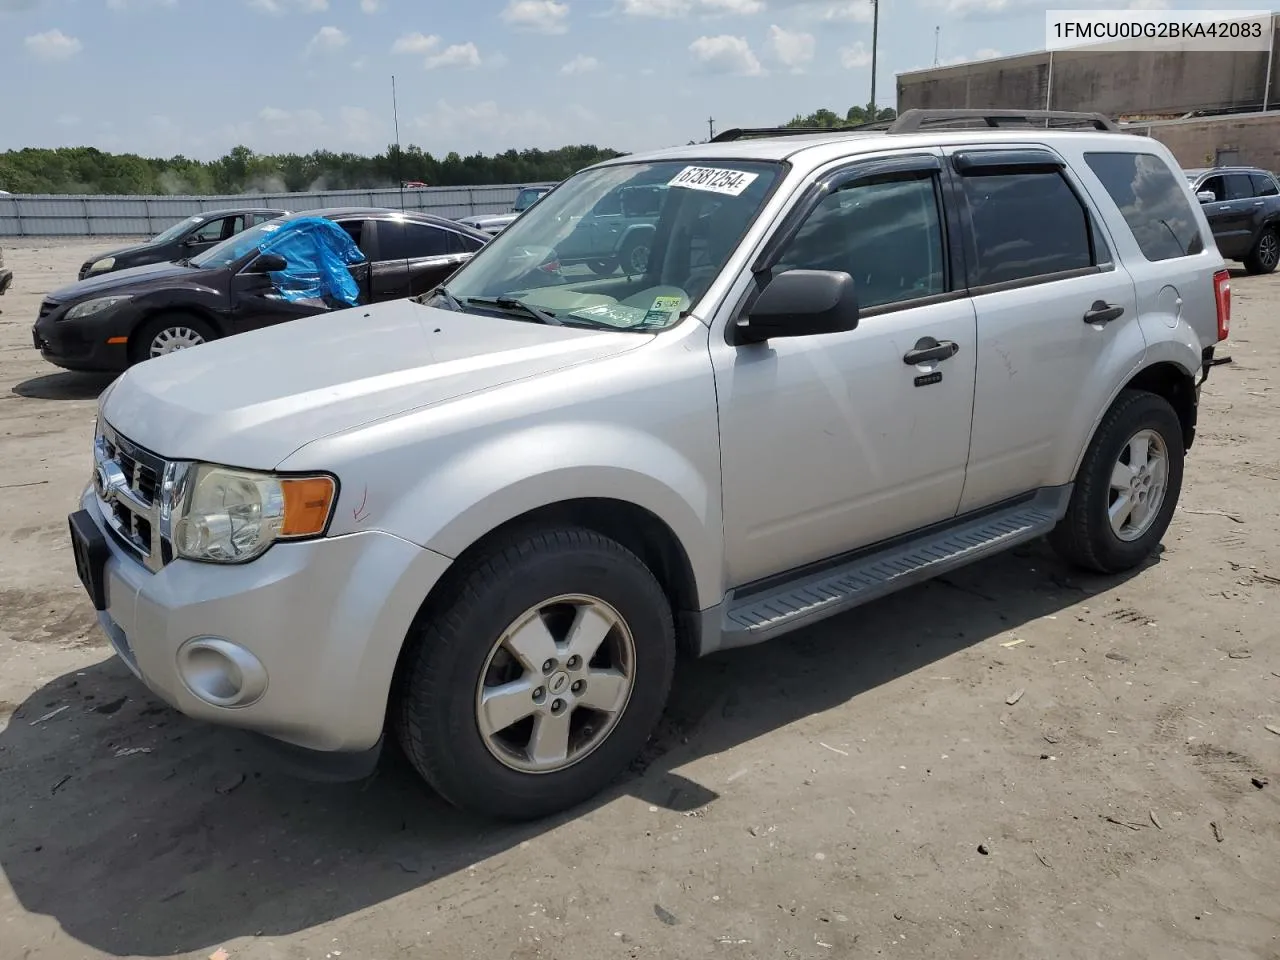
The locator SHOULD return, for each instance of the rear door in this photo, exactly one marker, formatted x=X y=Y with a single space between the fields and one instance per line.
x=429 y=253
x=1054 y=309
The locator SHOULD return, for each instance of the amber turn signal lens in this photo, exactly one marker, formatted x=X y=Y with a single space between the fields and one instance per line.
x=308 y=502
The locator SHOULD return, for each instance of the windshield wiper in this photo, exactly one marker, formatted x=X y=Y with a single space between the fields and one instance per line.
x=515 y=303
x=443 y=293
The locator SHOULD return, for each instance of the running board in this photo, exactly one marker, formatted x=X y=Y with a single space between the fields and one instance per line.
x=766 y=612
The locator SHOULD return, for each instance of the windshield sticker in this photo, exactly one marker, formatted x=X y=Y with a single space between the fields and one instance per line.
x=614 y=314
x=713 y=180
x=662 y=309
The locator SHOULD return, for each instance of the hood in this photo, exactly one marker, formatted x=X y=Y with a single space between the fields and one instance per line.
x=253 y=399
x=148 y=275
x=121 y=251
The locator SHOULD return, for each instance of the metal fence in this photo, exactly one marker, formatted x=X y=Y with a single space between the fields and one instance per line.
x=56 y=215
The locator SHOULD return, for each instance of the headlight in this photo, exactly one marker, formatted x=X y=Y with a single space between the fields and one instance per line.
x=103 y=265
x=90 y=307
x=231 y=516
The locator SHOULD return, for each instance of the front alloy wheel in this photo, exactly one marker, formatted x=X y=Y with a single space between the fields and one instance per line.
x=555 y=684
x=536 y=674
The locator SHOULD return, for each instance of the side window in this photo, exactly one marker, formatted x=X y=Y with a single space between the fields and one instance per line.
x=462 y=244
x=211 y=231
x=886 y=234
x=1026 y=225
x=406 y=240
x=234 y=226
x=1263 y=185
x=1152 y=201
x=1238 y=186
x=356 y=231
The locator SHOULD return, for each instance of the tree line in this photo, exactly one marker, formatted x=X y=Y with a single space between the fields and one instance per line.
x=87 y=170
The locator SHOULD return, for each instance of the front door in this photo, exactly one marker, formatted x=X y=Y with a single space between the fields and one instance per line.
x=834 y=442
x=1231 y=213
x=1053 y=308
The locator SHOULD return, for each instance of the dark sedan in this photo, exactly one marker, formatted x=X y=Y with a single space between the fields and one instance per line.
x=183 y=240
x=1242 y=205
x=113 y=321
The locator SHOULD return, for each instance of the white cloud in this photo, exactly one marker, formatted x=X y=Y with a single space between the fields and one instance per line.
x=458 y=55
x=278 y=8
x=415 y=43
x=675 y=9
x=52 y=45
x=726 y=54
x=580 y=64
x=487 y=127
x=370 y=6
x=537 y=16
x=327 y=40
x=848 y=11
x=851 y=58
x=790 y=49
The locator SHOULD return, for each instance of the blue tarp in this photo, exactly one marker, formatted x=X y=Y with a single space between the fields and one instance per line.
x=319 y=254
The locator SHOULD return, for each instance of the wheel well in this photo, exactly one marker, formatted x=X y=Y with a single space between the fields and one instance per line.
x=635 y=528
x=191 y=311
x=1170 y=381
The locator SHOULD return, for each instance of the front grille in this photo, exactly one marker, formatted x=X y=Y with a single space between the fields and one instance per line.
x=135 y=488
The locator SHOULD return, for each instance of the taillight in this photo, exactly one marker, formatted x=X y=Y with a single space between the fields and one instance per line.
x=1222 y=297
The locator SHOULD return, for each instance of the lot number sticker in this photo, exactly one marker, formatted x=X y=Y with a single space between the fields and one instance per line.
x=713 y=179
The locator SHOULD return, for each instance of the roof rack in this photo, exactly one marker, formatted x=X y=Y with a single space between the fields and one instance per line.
x=913 y=121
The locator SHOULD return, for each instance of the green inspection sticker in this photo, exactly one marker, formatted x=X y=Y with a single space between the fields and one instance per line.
x=662 y=309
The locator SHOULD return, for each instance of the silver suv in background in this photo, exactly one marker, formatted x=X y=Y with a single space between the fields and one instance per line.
x=495 y=223
x=484 y=523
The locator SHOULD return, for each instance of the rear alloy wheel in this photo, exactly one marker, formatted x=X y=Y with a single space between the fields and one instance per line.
x=168 y=334
x=538 y=676
x=1127 y=487
x=1266 y=253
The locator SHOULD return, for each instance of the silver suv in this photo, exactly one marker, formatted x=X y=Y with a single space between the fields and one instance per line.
x=485 y=522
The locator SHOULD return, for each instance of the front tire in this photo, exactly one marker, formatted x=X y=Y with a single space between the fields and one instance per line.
x=1127 y=487
x=1265 y=255
x=167 y=334
x=540 y=678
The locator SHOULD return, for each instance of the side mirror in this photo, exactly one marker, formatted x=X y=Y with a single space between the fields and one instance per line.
x=191 y=241
x=268 y=263
x=1207 y=196
x=801 y=303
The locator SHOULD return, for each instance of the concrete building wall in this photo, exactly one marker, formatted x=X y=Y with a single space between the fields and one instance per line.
x=1168 y=82
x=1251 y=140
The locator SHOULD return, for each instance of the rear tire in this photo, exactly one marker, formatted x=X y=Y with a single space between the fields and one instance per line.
x=167 y=334
x=1127 y=487
x=634 y=257
x=490 y=678
x=1265 y=255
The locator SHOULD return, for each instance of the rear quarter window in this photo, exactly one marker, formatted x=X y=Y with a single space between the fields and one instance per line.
x=1152 y=201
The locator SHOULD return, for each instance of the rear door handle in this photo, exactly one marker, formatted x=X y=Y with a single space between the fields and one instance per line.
x=1103 y=312
x=929 y=350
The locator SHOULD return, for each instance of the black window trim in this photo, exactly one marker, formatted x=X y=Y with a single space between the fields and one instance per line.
x=1003 y=162
x=869 y=170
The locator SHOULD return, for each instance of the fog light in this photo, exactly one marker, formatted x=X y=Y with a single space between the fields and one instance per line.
x=221 y=673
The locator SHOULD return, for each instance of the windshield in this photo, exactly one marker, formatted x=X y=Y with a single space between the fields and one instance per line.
x=233 y=248
x=177 y=230
x=526 y=199
x=627 y=246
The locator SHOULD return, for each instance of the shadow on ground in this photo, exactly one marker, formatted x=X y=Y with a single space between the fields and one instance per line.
x=64 y=386
x=142 y=833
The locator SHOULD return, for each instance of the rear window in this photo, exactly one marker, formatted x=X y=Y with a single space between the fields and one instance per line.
x=1152 y=201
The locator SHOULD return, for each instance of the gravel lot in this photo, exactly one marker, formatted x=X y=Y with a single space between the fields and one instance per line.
x=863 y=789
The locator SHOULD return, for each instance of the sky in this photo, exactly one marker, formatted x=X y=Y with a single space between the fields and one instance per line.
x=197 y=77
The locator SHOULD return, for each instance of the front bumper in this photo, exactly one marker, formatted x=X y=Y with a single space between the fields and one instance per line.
x=322 y=622
x=84 y=344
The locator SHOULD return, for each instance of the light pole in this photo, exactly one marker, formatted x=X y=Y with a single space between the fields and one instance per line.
x=875 y=40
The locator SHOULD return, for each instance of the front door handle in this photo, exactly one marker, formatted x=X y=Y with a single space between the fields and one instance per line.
x=929 y=350
x=1103 y=312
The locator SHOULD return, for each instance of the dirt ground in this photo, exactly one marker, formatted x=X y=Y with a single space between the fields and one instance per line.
x=874 y=786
